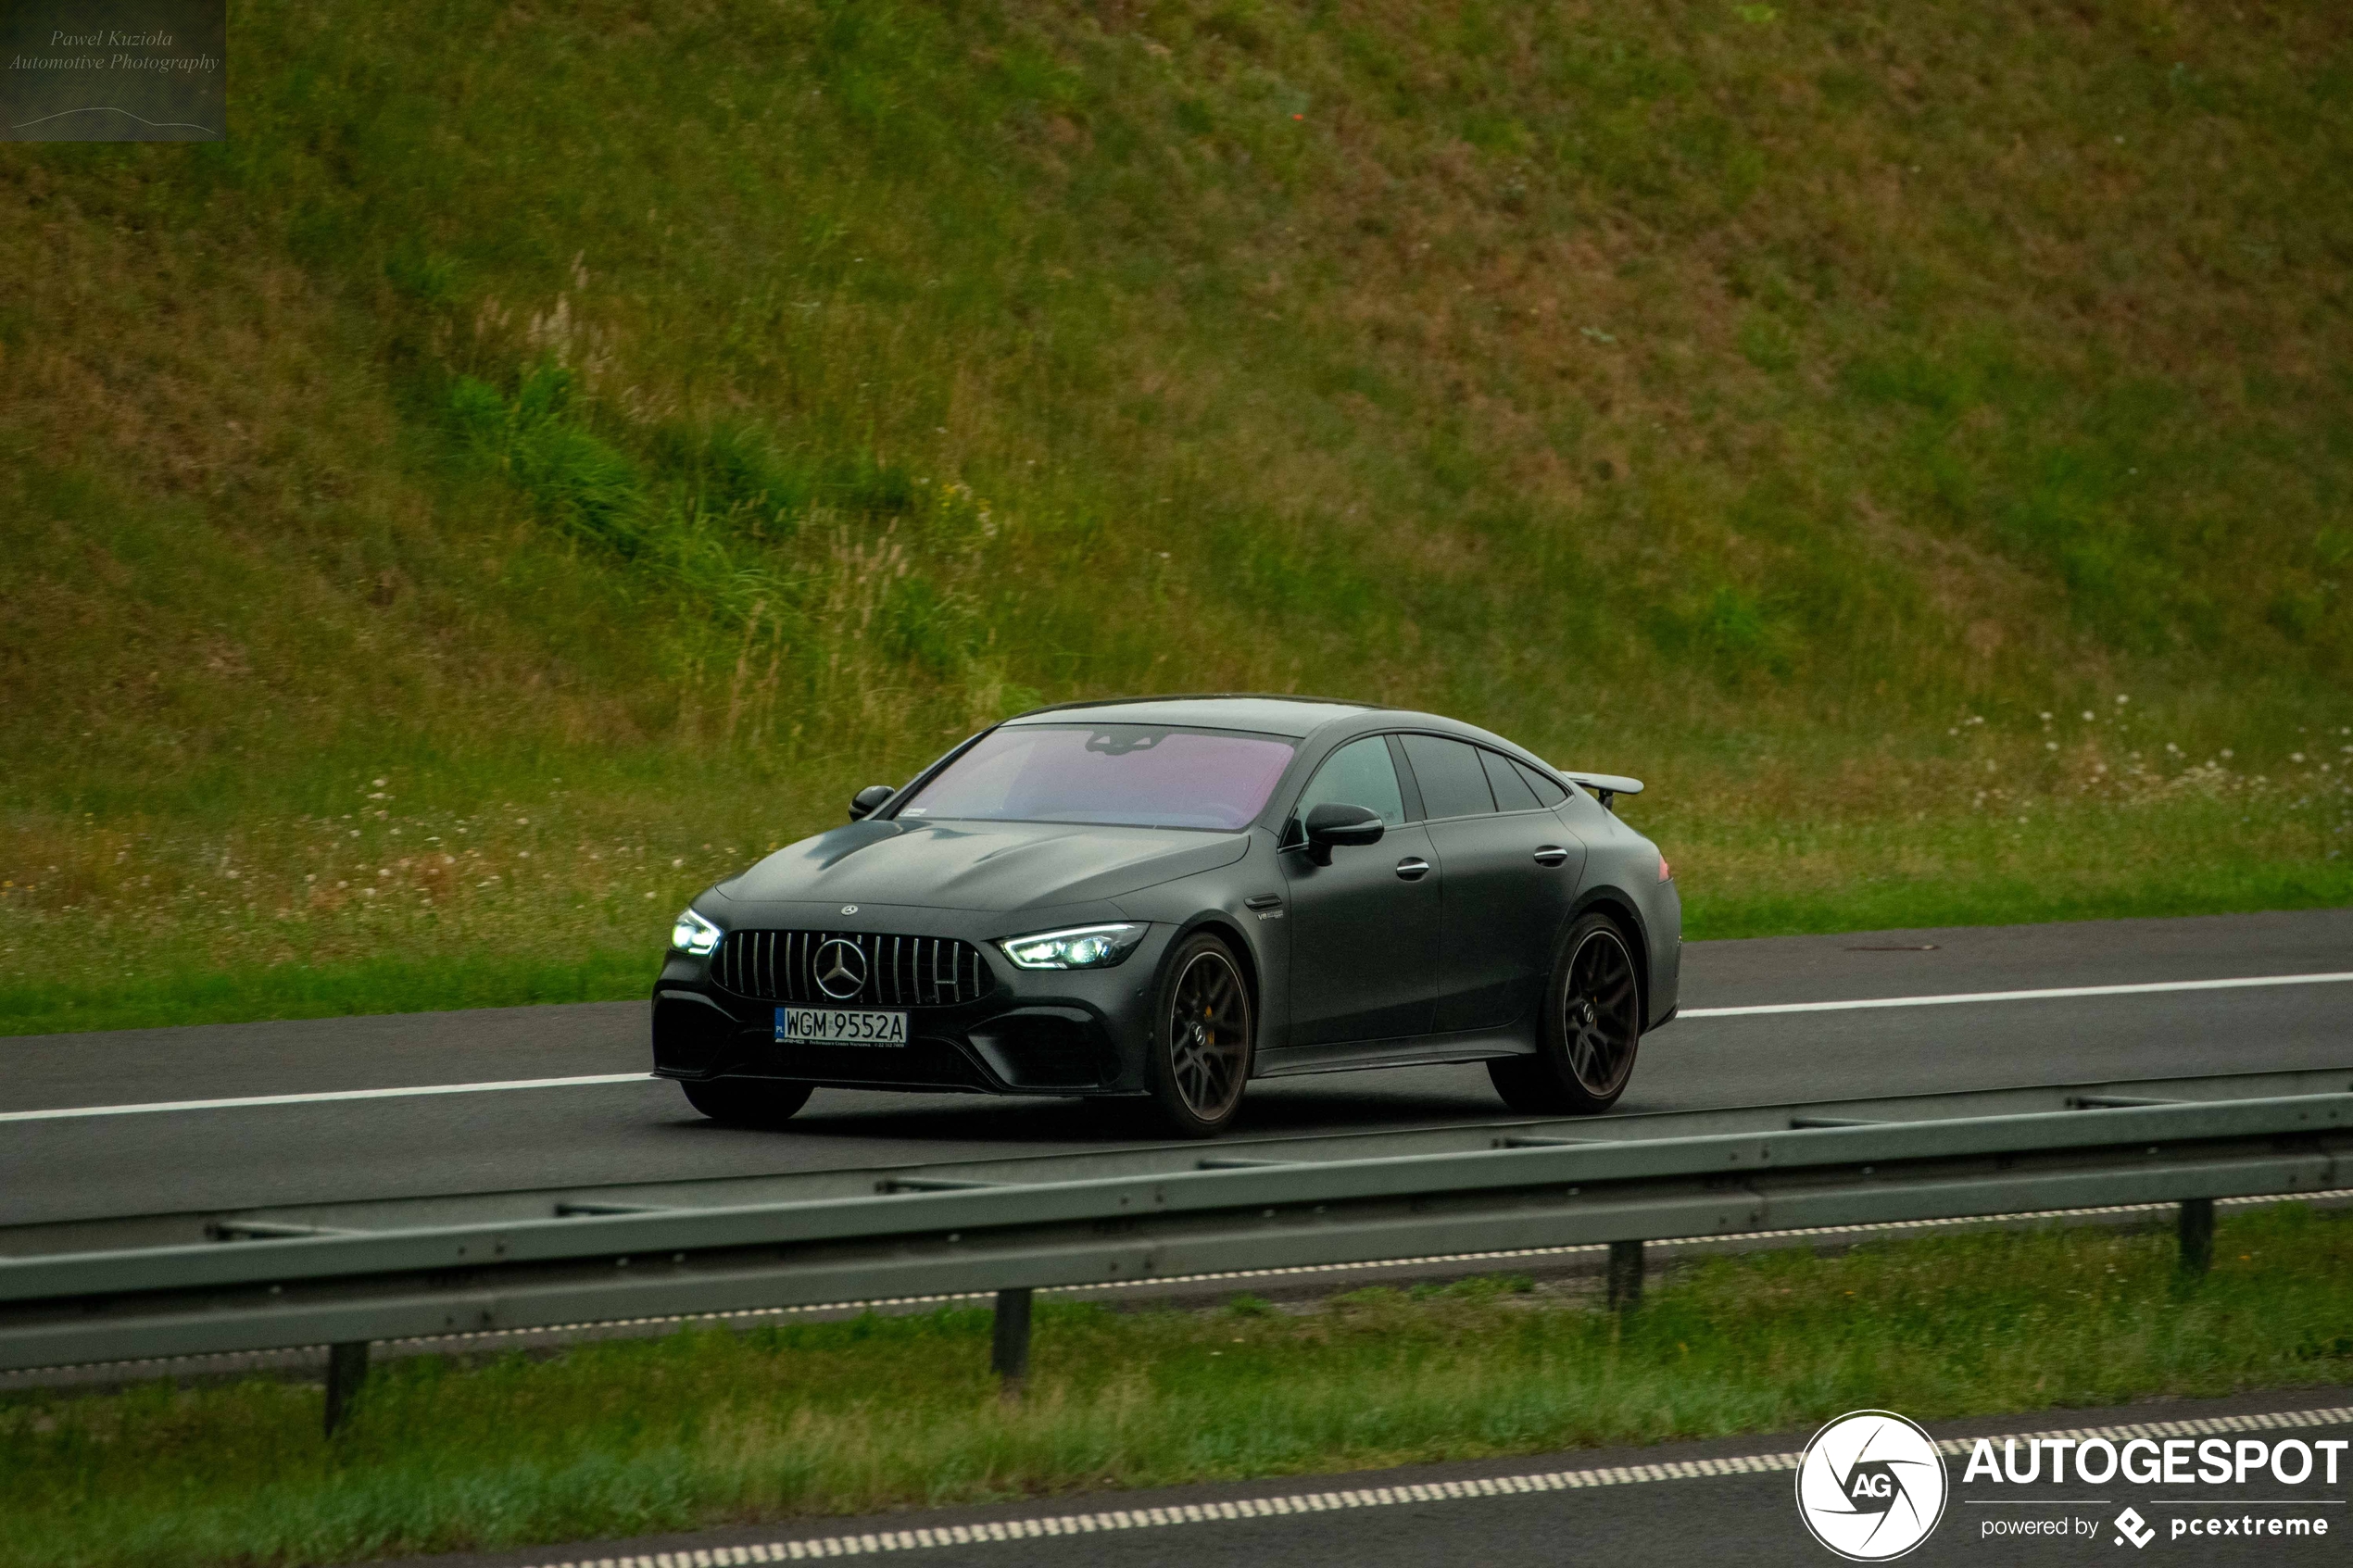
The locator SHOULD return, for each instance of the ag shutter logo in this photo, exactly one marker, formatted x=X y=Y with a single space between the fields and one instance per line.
x=1871 y=1486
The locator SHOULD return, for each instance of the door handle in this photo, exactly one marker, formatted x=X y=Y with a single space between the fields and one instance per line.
x=1550 y=854
x=1413 y=867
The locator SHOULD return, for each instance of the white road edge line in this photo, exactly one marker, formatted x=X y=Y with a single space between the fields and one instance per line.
x=65 y=1112
x=1960 y=997
x=1037 y=1526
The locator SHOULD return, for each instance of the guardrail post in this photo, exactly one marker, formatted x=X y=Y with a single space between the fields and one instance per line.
x=1009 y=1357
x=346 y=1369
x=2197 y=1229
x=1624 y=1275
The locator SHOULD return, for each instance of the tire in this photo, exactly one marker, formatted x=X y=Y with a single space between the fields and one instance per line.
x=1204 y=1039
x=1592 y=1026
x=748 y=1102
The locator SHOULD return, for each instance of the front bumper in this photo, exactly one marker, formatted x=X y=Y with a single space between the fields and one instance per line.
x=1050 y=1032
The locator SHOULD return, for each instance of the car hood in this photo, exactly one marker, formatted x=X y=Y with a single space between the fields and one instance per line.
x=980 y=865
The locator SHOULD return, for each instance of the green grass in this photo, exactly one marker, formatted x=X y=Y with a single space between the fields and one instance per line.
x=720 y=411
x=779 y=1423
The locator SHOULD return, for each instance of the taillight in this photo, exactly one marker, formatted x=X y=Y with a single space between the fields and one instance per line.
x=1666 y=872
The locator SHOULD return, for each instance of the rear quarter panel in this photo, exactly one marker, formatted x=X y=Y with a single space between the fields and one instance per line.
x=1621 y=873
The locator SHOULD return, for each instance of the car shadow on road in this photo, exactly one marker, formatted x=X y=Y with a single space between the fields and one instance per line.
x=1368 y=1103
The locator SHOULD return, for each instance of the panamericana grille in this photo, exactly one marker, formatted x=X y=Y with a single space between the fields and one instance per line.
x=901 y=971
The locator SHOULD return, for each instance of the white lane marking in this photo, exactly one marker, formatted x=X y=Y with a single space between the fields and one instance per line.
x=1960 y=997
x=1036 y=1526
x=66 y=1112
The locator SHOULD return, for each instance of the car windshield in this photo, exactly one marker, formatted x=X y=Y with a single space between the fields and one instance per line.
x=1133 y=775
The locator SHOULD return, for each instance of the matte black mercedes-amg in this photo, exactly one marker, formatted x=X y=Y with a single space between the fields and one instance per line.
x=1169 y=897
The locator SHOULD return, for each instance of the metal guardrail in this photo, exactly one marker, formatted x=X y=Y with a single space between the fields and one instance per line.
x=347 y=1289
x=34 y=1223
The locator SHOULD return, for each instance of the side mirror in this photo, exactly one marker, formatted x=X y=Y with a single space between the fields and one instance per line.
x=1332 y=825
x=867 y=801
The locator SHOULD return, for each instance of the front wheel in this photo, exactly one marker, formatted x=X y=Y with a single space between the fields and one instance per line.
x=1203 y=1037
x=746 y=1102
x=1593 y=1024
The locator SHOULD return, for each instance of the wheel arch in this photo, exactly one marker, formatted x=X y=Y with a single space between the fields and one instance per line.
x=1217 y=923
x=1622 y=911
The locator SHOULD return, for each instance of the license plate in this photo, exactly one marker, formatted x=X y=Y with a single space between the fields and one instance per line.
x=834 y=1026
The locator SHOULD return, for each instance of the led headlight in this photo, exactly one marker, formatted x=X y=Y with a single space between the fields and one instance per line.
x=694 y=934
x=1086 y=946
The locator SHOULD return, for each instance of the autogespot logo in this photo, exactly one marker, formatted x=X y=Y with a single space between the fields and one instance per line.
x=1871 y=1486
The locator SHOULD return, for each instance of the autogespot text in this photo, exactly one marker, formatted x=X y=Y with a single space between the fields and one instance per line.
x=2186 y=1464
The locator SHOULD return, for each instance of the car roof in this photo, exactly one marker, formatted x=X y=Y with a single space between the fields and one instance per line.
x=1274 y=715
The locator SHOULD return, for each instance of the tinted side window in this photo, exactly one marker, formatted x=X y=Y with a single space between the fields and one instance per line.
x=1512 y=793
x=1546 y=790
x=1359 y=773
x=1453 y=783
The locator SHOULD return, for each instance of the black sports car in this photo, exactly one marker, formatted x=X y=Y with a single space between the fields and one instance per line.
x=1170 y=896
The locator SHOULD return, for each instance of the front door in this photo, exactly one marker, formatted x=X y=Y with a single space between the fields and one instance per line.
x=1364 y=929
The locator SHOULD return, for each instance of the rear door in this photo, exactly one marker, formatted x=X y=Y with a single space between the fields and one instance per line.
x=1512 y=869
x=1364 y=929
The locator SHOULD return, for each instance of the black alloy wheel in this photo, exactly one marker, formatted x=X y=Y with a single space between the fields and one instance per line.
x=748 y=1102
x=1592 y=1026
x=1203 y=1040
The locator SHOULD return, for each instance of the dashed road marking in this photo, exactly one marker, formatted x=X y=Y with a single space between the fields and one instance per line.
x=1039 y=1526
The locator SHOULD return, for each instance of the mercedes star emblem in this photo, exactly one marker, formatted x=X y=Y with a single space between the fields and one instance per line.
x=841 y=969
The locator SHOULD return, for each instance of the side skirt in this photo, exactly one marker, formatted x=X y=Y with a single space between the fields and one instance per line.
x=1419 y=1050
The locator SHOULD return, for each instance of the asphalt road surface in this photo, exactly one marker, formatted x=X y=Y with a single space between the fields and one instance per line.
x=1630 y=1517
x=618 y=1128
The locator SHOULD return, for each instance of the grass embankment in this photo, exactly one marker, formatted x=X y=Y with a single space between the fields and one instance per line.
x=720 y=411
x=834 y=1418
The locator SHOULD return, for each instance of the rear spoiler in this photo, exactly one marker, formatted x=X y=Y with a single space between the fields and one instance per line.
x=1605 y=787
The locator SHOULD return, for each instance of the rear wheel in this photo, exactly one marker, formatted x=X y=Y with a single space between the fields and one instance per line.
x=1592 y=1024
x=1203 y=1036
x=748 y=1102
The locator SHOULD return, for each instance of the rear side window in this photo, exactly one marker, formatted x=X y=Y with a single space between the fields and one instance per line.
x=1512 y=793
x=1546 y=790
x=1453 y=783
x=1359 y=773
